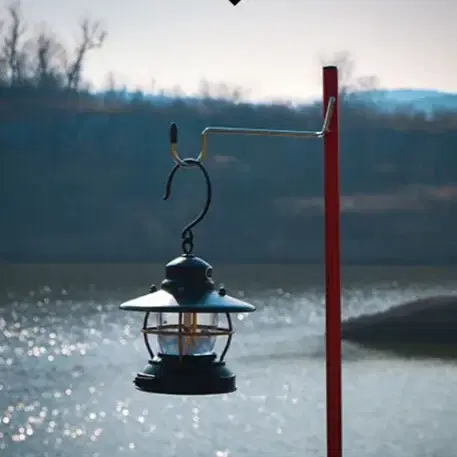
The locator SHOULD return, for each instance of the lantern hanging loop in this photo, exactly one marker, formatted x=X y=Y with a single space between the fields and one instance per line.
x=187 y=234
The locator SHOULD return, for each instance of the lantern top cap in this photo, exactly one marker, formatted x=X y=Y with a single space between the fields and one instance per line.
x=188 y=287
x=187 y=262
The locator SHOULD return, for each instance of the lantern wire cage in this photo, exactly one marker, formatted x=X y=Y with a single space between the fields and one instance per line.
x=188 y=332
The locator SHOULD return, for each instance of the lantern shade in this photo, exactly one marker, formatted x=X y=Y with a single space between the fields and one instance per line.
x=164 y=302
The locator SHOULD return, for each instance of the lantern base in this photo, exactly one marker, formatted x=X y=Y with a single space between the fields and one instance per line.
x=192 y=375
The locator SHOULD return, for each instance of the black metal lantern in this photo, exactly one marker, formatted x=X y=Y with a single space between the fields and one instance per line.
x=189 y=312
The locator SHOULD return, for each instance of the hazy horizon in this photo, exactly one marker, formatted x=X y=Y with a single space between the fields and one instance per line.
x=272 y=48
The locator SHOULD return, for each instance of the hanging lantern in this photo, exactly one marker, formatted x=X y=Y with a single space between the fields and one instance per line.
x=189 y=317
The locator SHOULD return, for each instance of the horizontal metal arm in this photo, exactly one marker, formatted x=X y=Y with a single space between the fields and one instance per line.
x=256 y=132
x=261 y=132
x=273 y=132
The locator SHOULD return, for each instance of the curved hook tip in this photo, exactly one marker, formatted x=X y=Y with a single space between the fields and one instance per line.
x=173 y=133
x=200 y=217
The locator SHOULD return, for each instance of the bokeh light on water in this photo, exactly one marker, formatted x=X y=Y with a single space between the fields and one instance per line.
x=68 y=356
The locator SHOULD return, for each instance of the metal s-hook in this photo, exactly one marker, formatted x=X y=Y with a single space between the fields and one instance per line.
x=187 y=235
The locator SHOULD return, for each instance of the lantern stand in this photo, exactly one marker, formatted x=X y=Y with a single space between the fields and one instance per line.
x=330 y=135
x=187 y=309
x=189 y=371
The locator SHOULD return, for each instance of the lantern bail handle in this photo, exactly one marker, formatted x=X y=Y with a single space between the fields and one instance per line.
x=187 y=235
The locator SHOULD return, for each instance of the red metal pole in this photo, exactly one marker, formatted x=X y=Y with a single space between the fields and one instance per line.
x=332 y=269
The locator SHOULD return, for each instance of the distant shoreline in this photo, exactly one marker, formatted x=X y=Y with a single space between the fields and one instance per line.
x=232 y=264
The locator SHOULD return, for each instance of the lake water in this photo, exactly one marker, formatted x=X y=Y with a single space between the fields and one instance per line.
x=68 y=357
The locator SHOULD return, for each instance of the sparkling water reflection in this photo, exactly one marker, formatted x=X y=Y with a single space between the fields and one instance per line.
x=67 y=358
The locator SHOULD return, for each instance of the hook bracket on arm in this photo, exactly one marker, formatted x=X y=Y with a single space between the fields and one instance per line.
x=174 y=152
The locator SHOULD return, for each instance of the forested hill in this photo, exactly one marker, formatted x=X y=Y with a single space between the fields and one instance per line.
x=82 y=176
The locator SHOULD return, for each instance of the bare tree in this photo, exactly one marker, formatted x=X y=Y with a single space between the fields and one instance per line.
x=93 y=37
x=204 y=89
x=349 y=83
x=13 y=55
x=45 y=54
x=239 y=94
x=221 y=91
x=346 y=66
x=3 y=62
x=177 y=91
x=110 y=83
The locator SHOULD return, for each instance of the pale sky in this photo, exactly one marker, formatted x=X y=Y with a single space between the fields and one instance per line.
x=272 y=47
